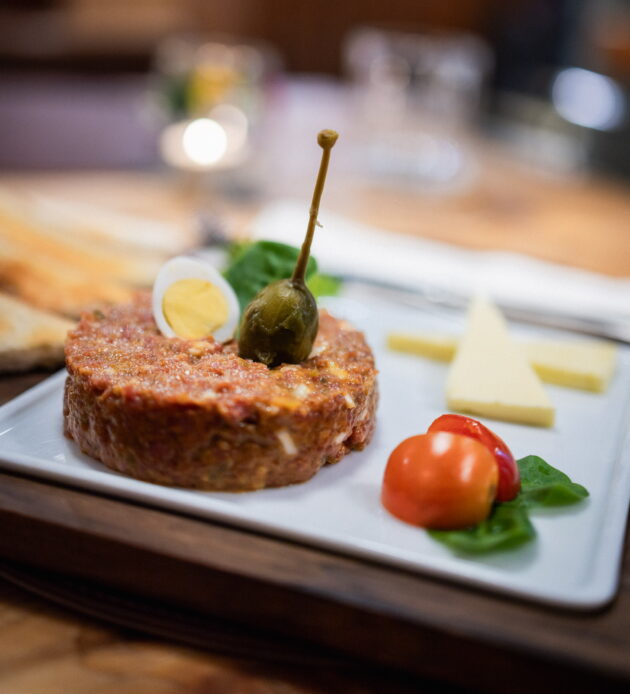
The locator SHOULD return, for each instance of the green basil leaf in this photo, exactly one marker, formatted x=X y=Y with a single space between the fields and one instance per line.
x=258 y=264
x=506 y=527
x=323 y=285
x=236 y=249
x=544 y=486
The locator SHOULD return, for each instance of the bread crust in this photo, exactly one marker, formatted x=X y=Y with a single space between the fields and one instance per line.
x=30 y=338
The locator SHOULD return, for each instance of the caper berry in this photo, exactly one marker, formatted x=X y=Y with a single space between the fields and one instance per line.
x=280 y=323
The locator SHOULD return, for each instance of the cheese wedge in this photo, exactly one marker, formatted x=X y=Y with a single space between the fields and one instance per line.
x=588 y=365
x=440 y=347
x=490 y=375
x=583 y=364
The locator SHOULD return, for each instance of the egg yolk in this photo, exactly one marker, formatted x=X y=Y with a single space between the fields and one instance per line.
x=194 y=308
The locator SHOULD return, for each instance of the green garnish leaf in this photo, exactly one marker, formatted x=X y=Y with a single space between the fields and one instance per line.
x=544 y=486
x=323 y=285
x=506 y=527
x=260 y=264
x=236 y=249
x=254 y=265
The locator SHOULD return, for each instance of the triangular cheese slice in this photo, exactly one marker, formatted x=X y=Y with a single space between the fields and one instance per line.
x=490 y=375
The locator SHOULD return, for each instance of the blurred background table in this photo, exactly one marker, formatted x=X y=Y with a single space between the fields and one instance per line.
x=577 y=222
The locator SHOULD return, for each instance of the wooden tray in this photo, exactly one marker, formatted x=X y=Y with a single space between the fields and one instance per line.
x=349 y=606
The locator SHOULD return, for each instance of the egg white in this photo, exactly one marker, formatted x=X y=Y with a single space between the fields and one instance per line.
x=183 y=268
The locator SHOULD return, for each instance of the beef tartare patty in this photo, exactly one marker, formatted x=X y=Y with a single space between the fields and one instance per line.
x=193 y=413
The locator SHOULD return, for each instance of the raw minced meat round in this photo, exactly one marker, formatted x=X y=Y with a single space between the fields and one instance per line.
x=193 y=413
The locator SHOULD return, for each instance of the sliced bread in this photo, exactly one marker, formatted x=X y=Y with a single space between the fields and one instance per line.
x=29 y=337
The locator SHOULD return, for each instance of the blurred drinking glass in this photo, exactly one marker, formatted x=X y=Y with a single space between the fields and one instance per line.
x=416 y=95
x=212 y=92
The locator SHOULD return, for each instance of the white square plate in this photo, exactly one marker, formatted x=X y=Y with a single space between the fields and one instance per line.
x=574 y=561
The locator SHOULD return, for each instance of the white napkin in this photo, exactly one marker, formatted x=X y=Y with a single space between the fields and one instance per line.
x=342 y=246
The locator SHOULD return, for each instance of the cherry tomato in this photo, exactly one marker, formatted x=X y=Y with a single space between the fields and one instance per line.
x=509 y=476
x=440 y=480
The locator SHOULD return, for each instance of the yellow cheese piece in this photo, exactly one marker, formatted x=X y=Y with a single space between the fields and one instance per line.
x=588 y=365
x=490 y=375
x=583 y=364
x=439 y=347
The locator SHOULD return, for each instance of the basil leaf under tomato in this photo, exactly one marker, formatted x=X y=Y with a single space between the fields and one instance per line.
x=508 y=525
x=544 y=486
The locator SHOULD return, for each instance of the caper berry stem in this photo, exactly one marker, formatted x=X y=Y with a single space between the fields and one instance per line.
x=326 y=140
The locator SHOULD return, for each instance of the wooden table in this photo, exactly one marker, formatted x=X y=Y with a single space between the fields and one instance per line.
x=272 y=616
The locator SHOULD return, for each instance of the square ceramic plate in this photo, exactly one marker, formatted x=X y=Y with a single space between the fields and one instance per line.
x=574 y=561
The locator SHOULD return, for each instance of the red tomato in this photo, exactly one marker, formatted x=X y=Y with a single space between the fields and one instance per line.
x=509 y=476
x=440 y=480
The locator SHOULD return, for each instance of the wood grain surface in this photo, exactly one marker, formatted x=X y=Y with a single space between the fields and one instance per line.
x=44 y=648
x=262 y=592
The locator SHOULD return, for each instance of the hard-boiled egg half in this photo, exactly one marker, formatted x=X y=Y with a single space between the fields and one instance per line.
x=192 y=300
